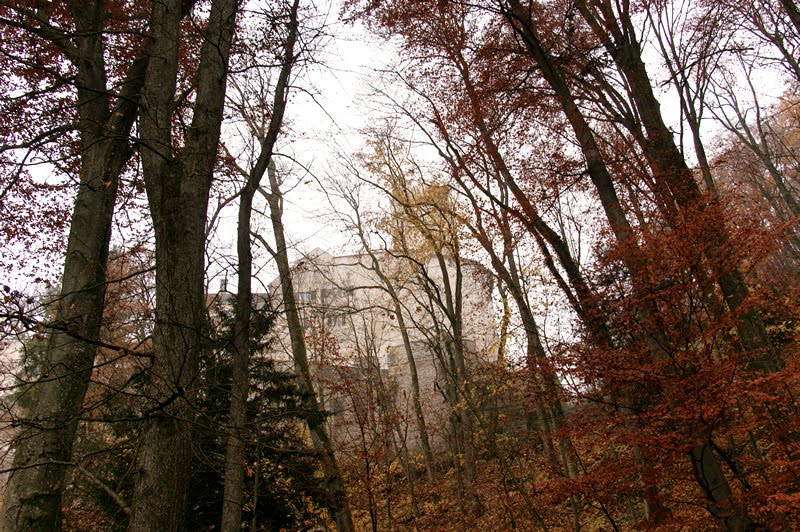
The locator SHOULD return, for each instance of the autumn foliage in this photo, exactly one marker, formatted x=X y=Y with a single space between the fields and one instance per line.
x=623 y=176
x=676 y=402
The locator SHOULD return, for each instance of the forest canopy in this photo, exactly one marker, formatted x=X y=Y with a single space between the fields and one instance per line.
x=559 y=287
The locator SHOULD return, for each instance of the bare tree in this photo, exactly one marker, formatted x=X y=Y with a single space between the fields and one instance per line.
x=234 y=458
x=315 y=418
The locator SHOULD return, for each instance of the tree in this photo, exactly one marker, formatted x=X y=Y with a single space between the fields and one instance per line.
x=278 y=486
x=423 y=236
x=177 y=171
x=364 y=421
x=234 y=470
x=316 y=419
x=774 y=26
x=95 y=483
x=96 y=52
x=693 y=42
x=448 y=36
x=670 y=279
x=99 y=484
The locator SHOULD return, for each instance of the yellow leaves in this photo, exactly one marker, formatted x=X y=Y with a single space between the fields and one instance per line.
x=782 y=327
x=423 y=217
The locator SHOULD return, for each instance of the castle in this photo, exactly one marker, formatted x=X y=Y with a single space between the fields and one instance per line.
x=349 y=307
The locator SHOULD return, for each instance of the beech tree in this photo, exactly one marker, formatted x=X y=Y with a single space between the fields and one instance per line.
x=694 y=42
x=99 y=483
x=448 y=38
x=775 y=25
x=586 y=72
x=366 y=423
x=423 y=234
x=662 y=396
x=177 y=171
x=85 y=64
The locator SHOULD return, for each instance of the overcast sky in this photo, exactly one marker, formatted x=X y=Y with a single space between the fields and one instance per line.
x=324 y=117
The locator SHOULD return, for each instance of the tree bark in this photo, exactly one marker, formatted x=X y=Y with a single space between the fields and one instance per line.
x=521 y=20
x=583 y=300
x=794 y=14
x=44 y=447
x=670 y=170
x=235 y=452
x=178 y=187
x=448 y=299
x=315 y=418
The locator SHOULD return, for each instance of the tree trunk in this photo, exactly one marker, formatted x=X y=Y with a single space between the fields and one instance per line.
x=235 y=452
x=240 y=384
x=583 y=301
x=178 y=187
x=44 y=447
x=521 y=20
x=315 y=419
x=670 y=170
x=452 y=306
x=794 y=14
x=716 y=489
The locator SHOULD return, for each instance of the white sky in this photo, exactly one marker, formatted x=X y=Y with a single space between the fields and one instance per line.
x=323 y=117
x=331 y=118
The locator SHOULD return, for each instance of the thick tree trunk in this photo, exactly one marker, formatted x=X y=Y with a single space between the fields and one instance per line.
x=44 y=449
x=164 y=457
x=177 y=189
x=33 y=494
x=717 y=490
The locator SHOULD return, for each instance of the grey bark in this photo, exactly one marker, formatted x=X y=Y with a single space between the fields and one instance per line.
x=235 y=452
x=178 y=184
x=315 y=418
x=452 y=306
x=691 y=97
x=445 y=308
x=43 y=451
x=419 y=415
x=583 y=301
